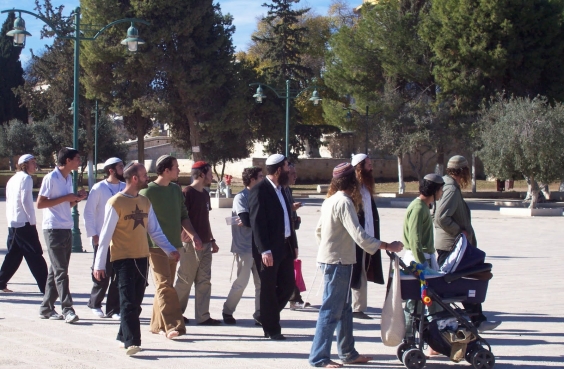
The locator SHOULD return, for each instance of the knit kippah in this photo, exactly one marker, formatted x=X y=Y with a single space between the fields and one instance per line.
x=457 y=162
x=342 y=170
x=199 y=165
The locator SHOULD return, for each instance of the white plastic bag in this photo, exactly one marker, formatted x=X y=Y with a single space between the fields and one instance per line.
x=392 y=326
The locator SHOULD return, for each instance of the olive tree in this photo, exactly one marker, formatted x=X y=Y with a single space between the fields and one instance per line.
x=523 y=136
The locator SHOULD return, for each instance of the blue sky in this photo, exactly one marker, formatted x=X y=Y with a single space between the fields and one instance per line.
x=245 y=13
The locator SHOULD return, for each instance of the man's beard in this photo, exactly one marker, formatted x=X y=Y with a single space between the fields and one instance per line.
x=284 y=178
x=141 y=186
x=120 y=177
x=367 y=179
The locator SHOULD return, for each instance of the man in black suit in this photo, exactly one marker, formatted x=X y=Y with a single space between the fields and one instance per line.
x=274 y=243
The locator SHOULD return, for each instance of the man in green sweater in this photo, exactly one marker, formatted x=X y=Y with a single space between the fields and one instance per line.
x=168 y=204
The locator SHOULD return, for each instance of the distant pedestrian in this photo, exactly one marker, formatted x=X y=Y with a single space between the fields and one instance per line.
x=56 y=198
x=296 y=301
x=168 y=204
x=368 y=268
x=337 y=232
x=94 y=211
x=23 y=241
x=242 y=248
x=195 y=265
x=274 y=244
x=129 y=219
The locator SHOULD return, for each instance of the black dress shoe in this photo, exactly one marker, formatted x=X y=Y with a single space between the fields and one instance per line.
x=276 y=337
x=360 y=315
x=186 y=320
x=210 y=321
x=256 y=317
x=228 y=319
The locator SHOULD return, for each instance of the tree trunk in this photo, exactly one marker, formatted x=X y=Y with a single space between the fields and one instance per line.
x=534 y=193
x=11 y=163
x=195 y=140
x=141 y=141
x=401 y=183
x=312 y=149
x=473 y=172
x=561 y=189
x=440 y=166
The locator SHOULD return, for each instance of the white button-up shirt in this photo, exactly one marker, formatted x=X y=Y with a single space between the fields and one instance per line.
x=278 y=189
x=95 y=207
x=54 y=185
x=19 y=200
x=367 y=207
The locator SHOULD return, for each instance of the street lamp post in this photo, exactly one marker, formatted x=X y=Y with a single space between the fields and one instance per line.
x=366 y=118
x=96 y=141
x=286 y=94
x=19 y=33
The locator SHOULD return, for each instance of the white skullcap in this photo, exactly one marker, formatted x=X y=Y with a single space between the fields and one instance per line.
x=161 y=158
x=275 y=159
x=357 y=159
x=111 y=161
x=25 y=158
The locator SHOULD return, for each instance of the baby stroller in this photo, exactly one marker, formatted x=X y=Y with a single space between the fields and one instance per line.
x=449 y=331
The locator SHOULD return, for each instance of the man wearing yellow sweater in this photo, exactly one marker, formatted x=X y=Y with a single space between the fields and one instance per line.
x=129 y=218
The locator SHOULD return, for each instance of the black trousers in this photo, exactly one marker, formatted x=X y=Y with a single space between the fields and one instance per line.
x=131 y=277
x=23 y=242
x=276 y=286
x=100 y=287
x=474 y=311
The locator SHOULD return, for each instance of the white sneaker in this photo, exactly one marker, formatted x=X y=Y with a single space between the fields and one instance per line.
x=115 y=316
x=98 y=312
x=71 y=318
x=488 y=326
x=132 y=350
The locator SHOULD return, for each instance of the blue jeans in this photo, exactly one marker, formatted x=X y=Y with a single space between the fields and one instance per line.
x=335 y=313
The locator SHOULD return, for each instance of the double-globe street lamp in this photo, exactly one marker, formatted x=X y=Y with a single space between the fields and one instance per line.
x=19 y=34
x=287 y=94
x=366 y=119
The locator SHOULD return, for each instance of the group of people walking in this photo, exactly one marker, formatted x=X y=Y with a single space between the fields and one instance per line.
x=136 y=226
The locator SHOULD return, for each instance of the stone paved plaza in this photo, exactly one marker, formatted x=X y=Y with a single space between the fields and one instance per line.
x=527 y=293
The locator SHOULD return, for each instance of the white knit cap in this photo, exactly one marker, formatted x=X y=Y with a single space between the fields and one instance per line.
x=25 y=158
x=275 y=159
x=357 y=159
x=111 y=161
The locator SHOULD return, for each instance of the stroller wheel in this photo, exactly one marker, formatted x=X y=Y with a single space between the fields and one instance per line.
x=483 y=359
x=414 y=359
x=403 y=348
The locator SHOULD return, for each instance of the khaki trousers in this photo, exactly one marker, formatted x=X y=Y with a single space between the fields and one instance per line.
x=360 y=296
x=166 y=308
x=195 y=269
x=245 y=266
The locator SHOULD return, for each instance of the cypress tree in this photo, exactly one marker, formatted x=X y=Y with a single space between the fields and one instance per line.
x=11 y=76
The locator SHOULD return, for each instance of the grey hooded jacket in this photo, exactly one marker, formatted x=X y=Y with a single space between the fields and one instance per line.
x=452 y=216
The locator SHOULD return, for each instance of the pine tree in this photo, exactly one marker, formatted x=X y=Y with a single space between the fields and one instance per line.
x=125 y=82
x=194 y=60
x=11 y=76
x=484 y=47
x=284 y=42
